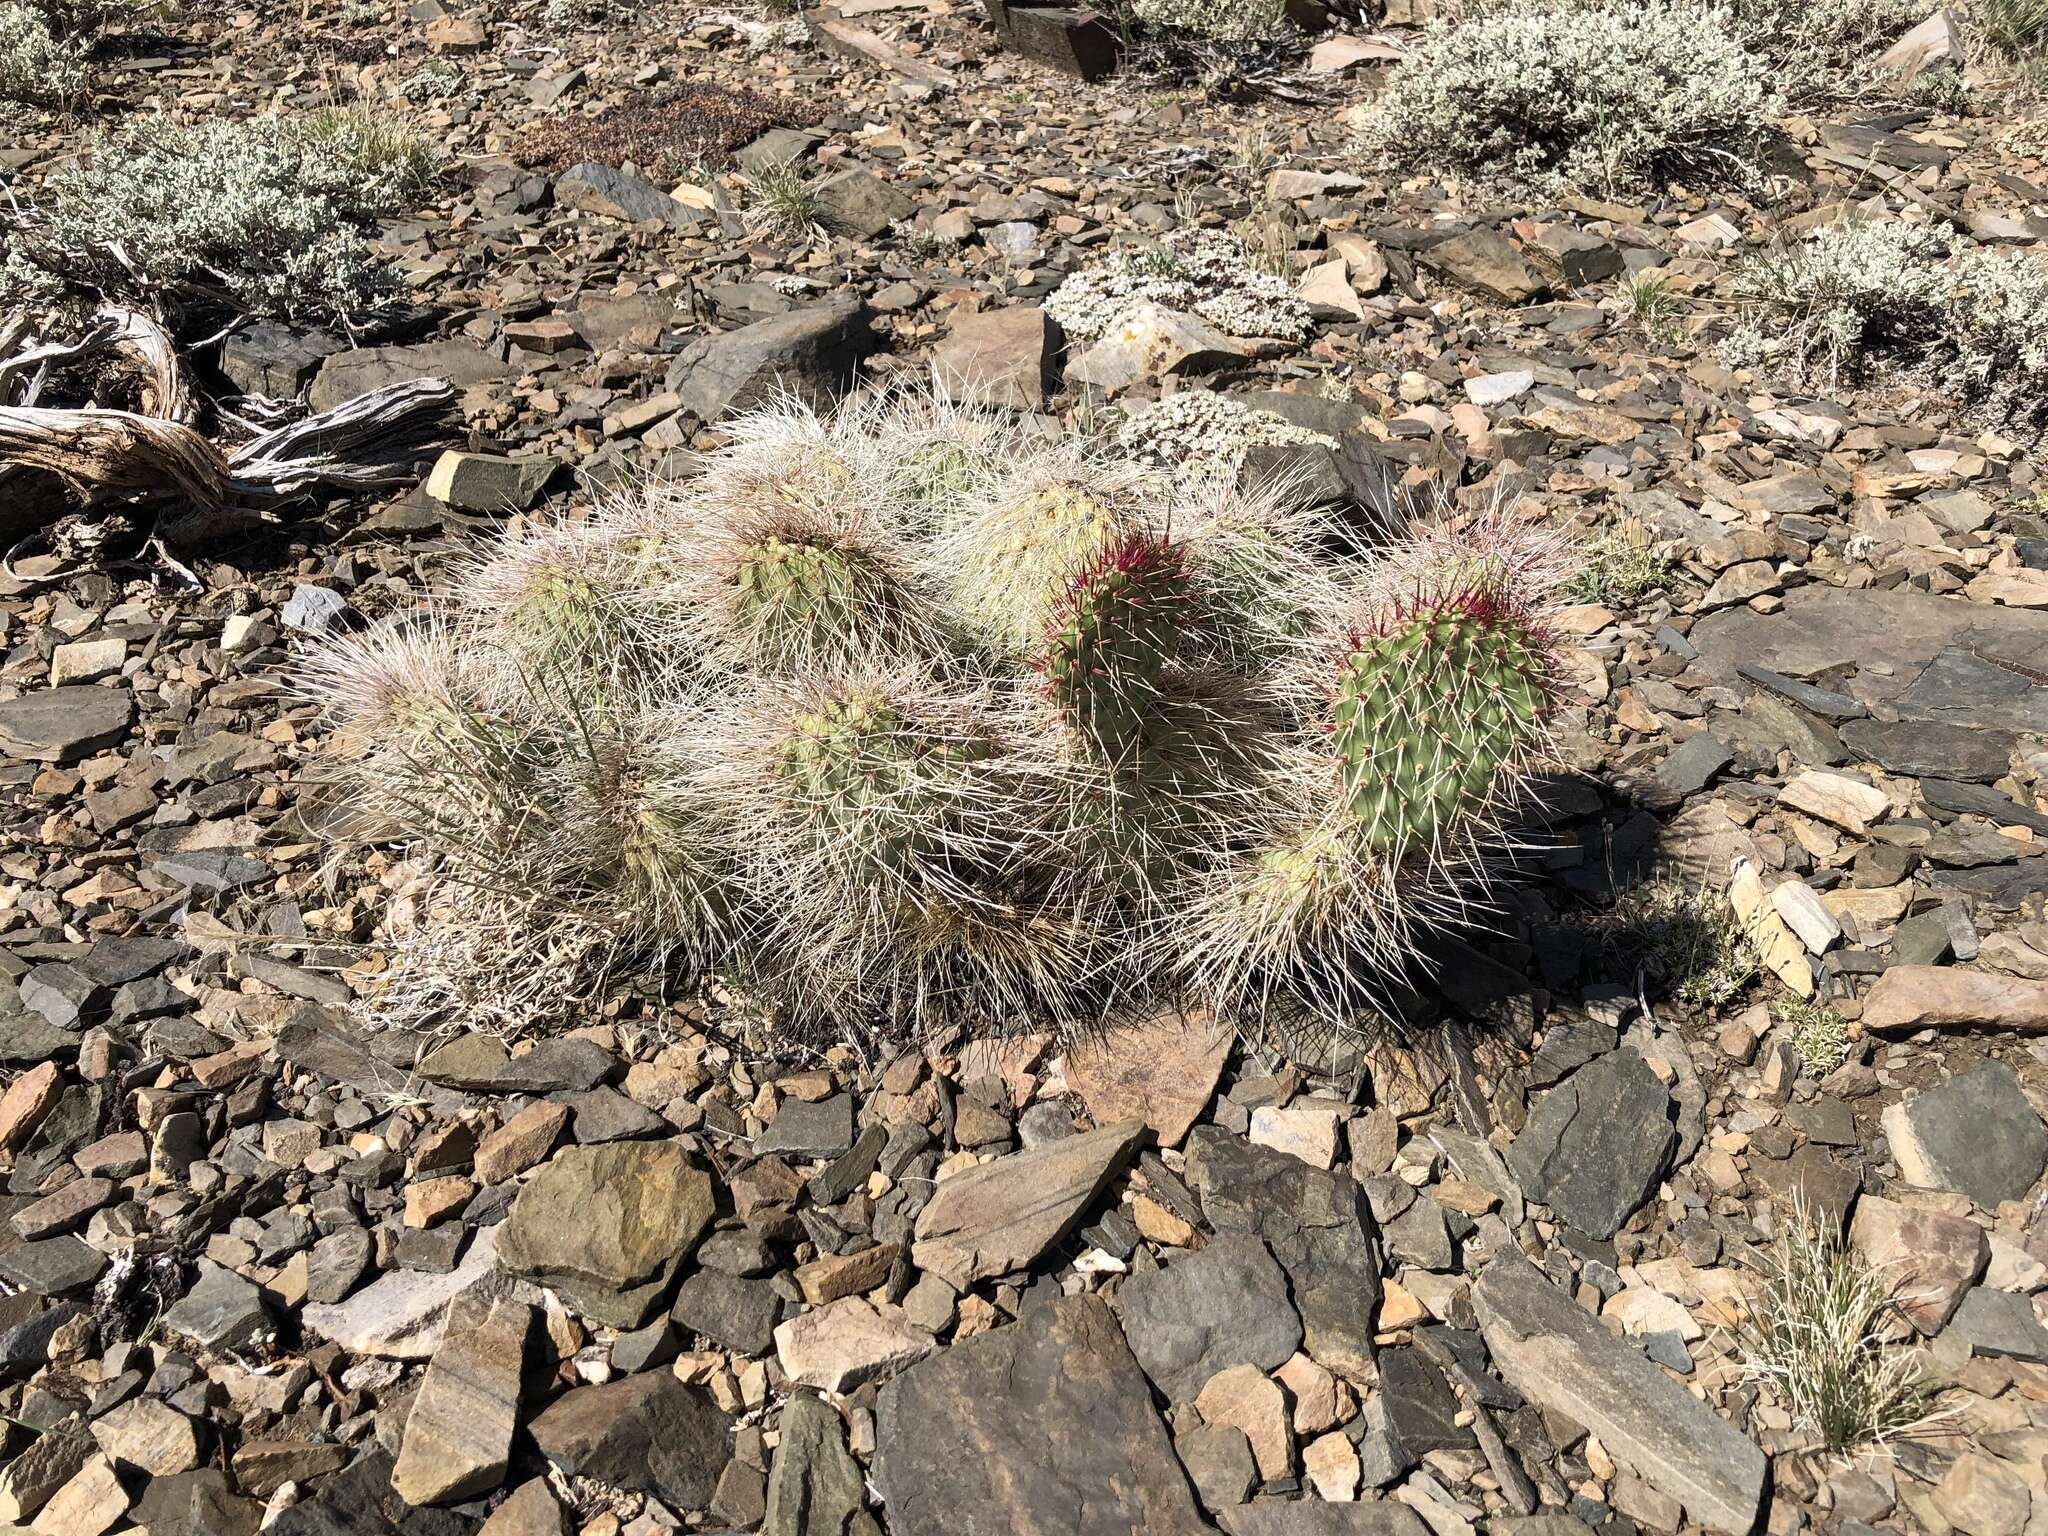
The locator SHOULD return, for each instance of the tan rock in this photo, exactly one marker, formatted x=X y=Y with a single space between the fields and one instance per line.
x=92 y=1502
x=1399 y=1308
x=847 y=1343
x=149 y=1433
x=428 y=1200
x=1910 y=997
x=1162 y=1070
x=1835 y=797
x=1155 y=1223
x=1331 y=1467
x=1318 y=1395
x=1983 y=1497
x=1246 y=1397
x=458 y=1436
x=833 y=1275
x=530 y=1511
x=1002 y=1214
x=521 y=1142
x=1307 y=1131
x=1930 y=1258
x=28 y=1098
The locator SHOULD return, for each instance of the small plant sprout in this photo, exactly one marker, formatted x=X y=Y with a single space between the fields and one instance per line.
x=1620 y=564
x=1648 y=302
x=783 y=204
x=1818 y=1033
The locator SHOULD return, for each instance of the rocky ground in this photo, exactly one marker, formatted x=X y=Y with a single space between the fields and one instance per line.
x=264 y=1267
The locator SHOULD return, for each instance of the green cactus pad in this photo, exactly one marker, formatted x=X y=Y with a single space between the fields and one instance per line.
x=1112 y=633
x=1428 y=712
x=1023 y=554
x=797 y=601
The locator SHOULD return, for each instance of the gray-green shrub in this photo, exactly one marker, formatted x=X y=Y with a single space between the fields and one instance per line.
x=264 y=217
x=1609 y=96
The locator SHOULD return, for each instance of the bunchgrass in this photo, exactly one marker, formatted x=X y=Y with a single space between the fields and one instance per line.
x=1619 y=565
x=1815 y=1337
x=783 y=203
x=1686 y=938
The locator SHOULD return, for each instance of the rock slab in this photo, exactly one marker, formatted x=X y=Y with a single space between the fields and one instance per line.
x=1559 y=1357
x=1596 y=1144
x=458 y=1436
x=1042 y=1428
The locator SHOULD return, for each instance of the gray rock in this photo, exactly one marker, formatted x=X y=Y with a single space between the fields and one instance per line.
x=403 y=1314
x=1003 y=1214
x=1041 y=1428
x=1596 y=1144
x=1317 y=1225
x=1419 y=1410
x=804 y=1129
x=1484 y=261
x=61 y=725
x=263 y=358
x=1226 y=1305
x=2000 y=1324
x=489 y=482
x=861 y=203
x=778 y=146
x=313 y=610
x=609 y=1226
x=1561 y=1358
x=337 y=1262
x=735 y=1313
x=1976 y=1133
x=1220 y=1464
x=815 y=1486
x=612 y=194
x=1932 y=748
x=1279 y=1517
x=221 y=1311
x=646 y=1434
x=346 y=375
x=814 y=351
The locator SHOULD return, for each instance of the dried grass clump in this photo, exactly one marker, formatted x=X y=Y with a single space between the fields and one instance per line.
x=1615 y=95
x=266 y=217
x=893 y=718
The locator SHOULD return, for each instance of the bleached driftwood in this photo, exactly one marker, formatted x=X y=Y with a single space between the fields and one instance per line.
x=108 y=458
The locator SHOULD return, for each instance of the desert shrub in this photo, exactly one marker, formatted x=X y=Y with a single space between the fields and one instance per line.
x=1613 y=95
x=897 y=717
x=1223 y=21
x=262 y=217
x=1815 y=45
x=1909 y=293
x=36 y=64
x=1204 y=272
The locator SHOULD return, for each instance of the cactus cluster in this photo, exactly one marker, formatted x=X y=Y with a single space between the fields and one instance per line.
x=895 y=717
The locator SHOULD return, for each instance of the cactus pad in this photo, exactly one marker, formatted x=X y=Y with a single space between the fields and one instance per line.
x=804 y=601
x=1430 y=710
x=1112 y=633
x=1023 y=552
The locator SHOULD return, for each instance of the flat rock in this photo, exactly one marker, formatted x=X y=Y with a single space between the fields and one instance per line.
x=1559 y=1357
x=846 y=1343
x=1976 y=1133
x=1485 y=261
x=458 y=1436
x=1225 y=1305
x=648 y=1433
x=222 y=1311
x=1279 y=1517
x=815 y=1487
x=1317 y=1225
x=859 y=202
x=609 y=1226
x=1162 y=1070
x=1596 y=1144
x=610 y=193
x=1932 y=1257
x=1931 y=748
x=1041 y=1428
x=1912 y=997
x=346 y=375
x=61 y=725
x=403 y=1313
x=1005 y=1213
x=1150 y=342
x=1003 y=358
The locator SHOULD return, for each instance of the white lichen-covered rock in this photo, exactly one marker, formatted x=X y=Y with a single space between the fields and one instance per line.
x=1601 y=97
x=1202 y=272
x=1201 y=426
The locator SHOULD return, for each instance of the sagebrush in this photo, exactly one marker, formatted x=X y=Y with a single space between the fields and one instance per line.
x=268 y=216
x=1613 y=96
x=894 y=717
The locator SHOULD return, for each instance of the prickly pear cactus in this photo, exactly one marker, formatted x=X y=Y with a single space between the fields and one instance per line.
x=1111 y=636
x=894 y=716
x=1430 y=712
